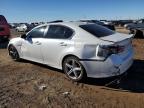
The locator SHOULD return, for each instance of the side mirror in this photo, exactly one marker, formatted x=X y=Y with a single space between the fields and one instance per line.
x=23 y=36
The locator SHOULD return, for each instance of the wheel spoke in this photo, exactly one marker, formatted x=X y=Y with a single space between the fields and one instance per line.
x=69 y=72
x=75 y=74
x=73 y=63
x=68 y=65
x=14 y=53
x=77 y=69
x=11 y=52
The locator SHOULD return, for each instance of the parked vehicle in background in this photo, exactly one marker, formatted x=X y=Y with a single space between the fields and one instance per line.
x=80 y=49
x=56 y=21
x=21 y=28
x=35 y=24
x=136 y=28
x=121 y=22
x=30 y=27
x=106 y=24
x=4 y=29
x=12 y=26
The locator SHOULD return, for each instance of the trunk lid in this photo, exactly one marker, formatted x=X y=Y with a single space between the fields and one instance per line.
x=117 y=37
x=122 y=40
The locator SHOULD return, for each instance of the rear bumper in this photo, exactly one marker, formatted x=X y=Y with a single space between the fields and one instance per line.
x=115 y=65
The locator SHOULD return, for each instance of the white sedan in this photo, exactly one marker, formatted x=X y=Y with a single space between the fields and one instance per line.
x=80 y=49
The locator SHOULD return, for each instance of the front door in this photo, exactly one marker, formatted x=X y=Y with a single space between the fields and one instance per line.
x=31 y=46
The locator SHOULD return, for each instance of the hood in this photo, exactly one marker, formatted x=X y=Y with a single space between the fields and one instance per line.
x=117 y=37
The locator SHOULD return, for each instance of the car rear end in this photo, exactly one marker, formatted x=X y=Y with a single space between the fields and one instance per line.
x=120 y=54
x=110 y=60
x=4 y=29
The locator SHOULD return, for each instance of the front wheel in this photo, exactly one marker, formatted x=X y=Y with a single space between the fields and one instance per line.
x=13 y=53
x=73 y=69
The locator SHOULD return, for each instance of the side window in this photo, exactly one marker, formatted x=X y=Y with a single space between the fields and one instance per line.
x=37 y=32
x=58 y=32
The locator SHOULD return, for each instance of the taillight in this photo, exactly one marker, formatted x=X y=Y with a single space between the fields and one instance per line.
x=105 y=51
x=102 y=51
x=116 y=49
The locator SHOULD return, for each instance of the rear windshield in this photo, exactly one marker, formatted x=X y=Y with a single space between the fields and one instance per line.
x=97 y=30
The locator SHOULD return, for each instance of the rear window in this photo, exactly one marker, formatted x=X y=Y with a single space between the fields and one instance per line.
x=97 y=30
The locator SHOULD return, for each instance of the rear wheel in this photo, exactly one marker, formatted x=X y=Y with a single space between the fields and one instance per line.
x=13 y=53
x=73 y=69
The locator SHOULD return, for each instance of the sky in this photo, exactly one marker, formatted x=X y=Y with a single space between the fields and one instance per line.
x=48 y=10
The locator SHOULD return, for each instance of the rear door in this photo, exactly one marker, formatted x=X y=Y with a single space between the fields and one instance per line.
x=31 y=46
x=57 y=41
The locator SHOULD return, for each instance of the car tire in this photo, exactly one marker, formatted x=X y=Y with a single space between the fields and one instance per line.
x=13 y=53
x=73 y=69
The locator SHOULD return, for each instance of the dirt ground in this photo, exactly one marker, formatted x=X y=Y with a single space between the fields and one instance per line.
x=31 y=85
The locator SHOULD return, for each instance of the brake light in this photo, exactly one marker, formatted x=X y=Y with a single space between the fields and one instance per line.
x=105 y=51
x=116 y=49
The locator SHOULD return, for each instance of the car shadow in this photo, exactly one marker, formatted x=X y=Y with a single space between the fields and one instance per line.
x=3 y=45
x=40 y=65
x=133 y=82
x=139 y=36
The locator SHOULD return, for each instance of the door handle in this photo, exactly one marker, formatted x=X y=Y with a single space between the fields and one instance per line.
x=38 y=43
x=63 y=44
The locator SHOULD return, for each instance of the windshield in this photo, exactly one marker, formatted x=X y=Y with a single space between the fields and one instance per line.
x=97 y=30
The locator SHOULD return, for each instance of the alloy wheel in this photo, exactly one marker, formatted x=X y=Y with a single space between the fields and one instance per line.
x=13 y=53
x=73 y=69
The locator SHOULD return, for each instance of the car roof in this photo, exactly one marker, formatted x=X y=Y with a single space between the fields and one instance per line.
x=70 y=24
x=3 y=20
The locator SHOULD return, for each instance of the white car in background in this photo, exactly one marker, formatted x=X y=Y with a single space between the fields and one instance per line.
x=21 y=28
x=80 y=49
